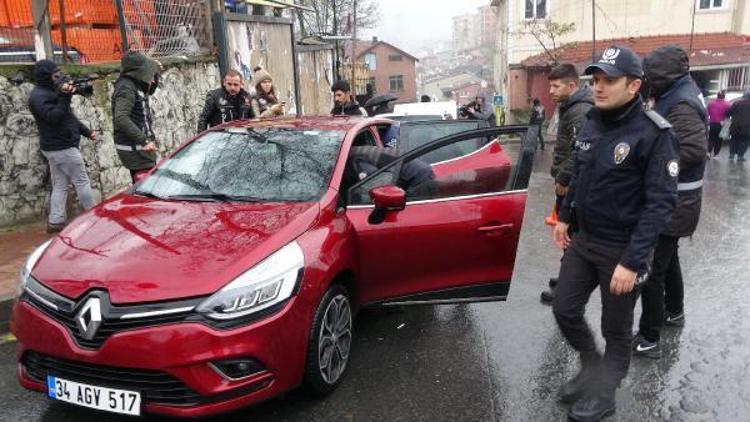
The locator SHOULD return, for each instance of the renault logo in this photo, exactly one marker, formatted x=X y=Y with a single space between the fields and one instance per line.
x=89 y=318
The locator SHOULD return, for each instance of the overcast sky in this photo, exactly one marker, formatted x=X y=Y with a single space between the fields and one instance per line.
x=410 y=24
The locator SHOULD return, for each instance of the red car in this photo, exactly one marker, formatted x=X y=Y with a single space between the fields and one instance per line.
x=231 y=272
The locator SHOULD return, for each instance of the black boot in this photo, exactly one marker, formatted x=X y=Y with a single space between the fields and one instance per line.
x=593 y=407
x=579 y=385
x=552 y=282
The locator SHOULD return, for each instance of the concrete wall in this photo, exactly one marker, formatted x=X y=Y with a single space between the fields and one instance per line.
x=24 y=175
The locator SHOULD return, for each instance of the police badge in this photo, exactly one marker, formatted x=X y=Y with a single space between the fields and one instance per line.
x=621 y=152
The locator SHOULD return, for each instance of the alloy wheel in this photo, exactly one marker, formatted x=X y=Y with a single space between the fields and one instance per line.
x=335 y=339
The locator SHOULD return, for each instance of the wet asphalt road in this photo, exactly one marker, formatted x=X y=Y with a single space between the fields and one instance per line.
x=505 y=361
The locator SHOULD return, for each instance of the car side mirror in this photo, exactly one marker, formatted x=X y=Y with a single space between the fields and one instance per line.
x=386 y=198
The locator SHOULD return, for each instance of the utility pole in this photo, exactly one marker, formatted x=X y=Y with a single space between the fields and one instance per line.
x=593 y=31
x=336 y=33
x=63 y=33
x=354 y=46
x=692 y=30
x=42 y=29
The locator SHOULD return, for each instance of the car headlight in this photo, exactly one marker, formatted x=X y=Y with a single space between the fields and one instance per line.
x=270 y=282
x=29 y=264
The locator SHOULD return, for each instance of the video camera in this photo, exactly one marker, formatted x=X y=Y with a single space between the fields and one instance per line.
x=463 y=111
x=83 y=86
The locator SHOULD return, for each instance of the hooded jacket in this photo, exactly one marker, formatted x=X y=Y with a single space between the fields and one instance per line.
x=58 y=127
x=740 y=114
x=572 y=114
x=680 y=101
x=131 y=112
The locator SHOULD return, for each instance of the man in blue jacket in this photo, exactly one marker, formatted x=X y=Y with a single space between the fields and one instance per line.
x=59 y=136
x=622 y=191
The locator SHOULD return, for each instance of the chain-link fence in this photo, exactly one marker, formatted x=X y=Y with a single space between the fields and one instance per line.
x=168 y=27
x=88 y=31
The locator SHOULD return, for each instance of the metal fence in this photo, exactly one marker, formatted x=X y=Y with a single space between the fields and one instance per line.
x=89 y=31
x=168 y=27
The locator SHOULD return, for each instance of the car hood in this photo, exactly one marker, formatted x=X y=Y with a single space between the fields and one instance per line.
x=144 y=250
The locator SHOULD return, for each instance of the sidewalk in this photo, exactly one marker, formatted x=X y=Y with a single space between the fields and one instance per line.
x=15 y=245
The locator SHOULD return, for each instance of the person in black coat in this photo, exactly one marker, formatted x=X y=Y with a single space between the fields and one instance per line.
x=60 y=133
x=230 y=102
x=678 y=98
x=343 y=101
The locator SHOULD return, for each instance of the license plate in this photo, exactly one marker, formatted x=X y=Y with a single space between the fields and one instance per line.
x=102 y=398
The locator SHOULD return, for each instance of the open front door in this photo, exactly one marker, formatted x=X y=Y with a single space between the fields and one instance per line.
x=456 y=238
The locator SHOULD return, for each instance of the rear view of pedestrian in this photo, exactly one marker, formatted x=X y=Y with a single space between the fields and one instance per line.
x=537 y=119
x=717 y=113
x=740 y=127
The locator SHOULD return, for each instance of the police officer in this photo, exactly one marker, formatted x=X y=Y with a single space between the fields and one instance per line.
x=622 y=191
x=678 y=98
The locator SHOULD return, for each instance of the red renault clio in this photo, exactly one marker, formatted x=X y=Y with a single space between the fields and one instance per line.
x=231 y=272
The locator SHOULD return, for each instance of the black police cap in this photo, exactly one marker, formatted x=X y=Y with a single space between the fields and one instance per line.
x=618 y=61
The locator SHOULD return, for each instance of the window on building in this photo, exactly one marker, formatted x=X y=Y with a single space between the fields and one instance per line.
x=710 y=4
x=395 y=57
x=371 y=61
x=537 y=9
x=396 y=83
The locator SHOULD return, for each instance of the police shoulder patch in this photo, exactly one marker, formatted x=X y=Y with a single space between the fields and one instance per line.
x=658 y=119
x=673 y=168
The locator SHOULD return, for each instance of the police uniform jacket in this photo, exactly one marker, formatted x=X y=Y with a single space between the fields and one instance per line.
x=131 y=112
x=683 y=107
x=624 y=184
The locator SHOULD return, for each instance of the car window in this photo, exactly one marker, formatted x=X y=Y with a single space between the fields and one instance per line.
x=491 y=170
x=268 y=164
x=364 y=138
x=415 y=135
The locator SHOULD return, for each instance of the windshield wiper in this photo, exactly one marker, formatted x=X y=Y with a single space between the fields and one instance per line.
x=147 y=194
x=216 y=197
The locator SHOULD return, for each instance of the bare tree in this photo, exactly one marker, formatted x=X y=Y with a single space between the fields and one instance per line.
x=336 y=16
x=548 y=33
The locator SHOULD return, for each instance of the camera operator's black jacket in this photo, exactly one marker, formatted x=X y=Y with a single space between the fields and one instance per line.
x=58 y=127
x=220 y=107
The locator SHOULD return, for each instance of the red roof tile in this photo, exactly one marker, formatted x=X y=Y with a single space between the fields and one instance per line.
x=708 y=49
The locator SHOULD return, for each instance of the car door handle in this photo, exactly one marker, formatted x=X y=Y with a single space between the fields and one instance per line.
x=495 y=228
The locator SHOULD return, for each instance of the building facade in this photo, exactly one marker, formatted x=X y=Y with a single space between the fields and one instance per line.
x=392 y=70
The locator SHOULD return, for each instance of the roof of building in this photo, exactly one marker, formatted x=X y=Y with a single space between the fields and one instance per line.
x=363 y=47
x=712 y=49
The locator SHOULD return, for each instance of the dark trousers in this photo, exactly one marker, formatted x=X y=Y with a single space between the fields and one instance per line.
x=740 y=144
x=558 y=202
x=714 y=142
x=586 y=265
x=540 y=136
x=664 y=285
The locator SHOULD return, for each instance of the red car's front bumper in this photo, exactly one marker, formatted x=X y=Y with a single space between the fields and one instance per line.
x=179 y=355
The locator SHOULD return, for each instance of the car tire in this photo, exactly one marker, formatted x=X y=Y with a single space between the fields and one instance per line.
x=329 y=347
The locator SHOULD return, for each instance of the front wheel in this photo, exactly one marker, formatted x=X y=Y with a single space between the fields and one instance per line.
x=330 y=342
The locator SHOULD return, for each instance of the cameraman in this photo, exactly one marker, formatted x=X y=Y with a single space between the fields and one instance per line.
x=59 y=135
x=480 y=109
